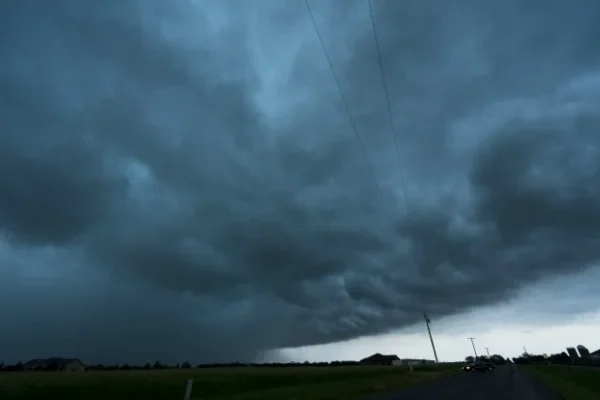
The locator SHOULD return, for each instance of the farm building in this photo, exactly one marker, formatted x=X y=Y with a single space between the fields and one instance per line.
x=379 y=359
x=595 y=356
x=55 y=364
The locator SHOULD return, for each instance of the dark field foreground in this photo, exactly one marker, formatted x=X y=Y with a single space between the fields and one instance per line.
x=572 y=382
x=291 y=383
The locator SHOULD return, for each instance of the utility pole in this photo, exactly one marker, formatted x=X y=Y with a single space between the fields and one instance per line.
x=487 y=349
x=428 y=321
x=525 y=350
x=473 y=344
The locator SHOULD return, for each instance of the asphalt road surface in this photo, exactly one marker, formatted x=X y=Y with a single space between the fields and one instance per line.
x=507 y=382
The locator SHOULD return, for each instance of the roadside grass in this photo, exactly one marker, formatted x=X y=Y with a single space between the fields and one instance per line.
x=251 y=383
x=572 y=382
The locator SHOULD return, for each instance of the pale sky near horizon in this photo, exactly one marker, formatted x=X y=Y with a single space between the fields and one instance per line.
x=507 y=340
x=504 y=329
x=195 y=180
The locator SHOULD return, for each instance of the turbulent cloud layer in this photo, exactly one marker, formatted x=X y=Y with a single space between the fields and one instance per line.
x=180 y=179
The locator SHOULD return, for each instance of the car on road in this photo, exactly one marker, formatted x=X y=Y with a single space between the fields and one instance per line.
x=479 y=367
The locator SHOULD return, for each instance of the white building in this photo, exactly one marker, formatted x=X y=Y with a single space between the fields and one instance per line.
x=411 y=361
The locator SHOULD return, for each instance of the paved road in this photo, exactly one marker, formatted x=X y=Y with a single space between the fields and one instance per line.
x=507 y=382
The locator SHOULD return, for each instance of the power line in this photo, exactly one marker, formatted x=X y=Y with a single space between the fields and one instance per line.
x=388 y=103
x=337 y=82
x=416 y=256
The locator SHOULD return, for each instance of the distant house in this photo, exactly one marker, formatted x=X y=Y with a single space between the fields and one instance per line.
x=379 y=359
x=55 y=364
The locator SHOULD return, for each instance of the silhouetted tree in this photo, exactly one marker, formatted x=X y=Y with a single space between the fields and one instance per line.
x=560 y=358
x=497 y=359
x=157 y=365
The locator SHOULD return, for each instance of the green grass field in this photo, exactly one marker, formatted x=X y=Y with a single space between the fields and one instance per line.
x=574 y=383
x=291 y=383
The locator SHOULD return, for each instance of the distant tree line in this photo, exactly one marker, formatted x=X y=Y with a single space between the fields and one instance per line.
x=526 y=358
x=158 y=365
x=558 y=358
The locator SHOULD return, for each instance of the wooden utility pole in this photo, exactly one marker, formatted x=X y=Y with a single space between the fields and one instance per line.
x=427 y=321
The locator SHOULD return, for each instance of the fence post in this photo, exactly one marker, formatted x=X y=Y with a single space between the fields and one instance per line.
x=188 y=390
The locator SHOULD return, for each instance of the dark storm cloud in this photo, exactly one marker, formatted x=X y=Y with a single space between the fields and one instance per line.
x=181 y=181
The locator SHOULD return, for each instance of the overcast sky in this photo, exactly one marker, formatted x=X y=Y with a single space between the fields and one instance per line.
x=181 y=181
